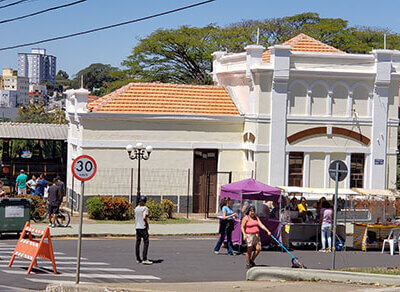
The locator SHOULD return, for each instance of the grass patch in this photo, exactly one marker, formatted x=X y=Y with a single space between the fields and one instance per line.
x=161 y=221
x=375 y=270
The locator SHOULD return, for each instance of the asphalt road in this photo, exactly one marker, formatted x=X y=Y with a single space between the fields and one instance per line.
x=178 y=259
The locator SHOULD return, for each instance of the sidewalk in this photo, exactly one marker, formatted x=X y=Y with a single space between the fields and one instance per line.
x=101 y=229
x=249 y=286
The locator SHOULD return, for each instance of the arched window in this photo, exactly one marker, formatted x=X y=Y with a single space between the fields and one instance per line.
x=360 y=101
x=339 y=101
x=319 y=100
x=298 y=100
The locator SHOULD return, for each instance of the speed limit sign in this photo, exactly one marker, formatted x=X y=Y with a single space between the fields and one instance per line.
x=84 y=168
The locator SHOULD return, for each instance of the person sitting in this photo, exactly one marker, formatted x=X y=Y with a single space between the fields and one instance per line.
x=293 y=205
x=309 y=217
x=303 y=208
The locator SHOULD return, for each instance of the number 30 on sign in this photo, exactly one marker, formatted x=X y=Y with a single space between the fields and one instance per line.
x=84 y=167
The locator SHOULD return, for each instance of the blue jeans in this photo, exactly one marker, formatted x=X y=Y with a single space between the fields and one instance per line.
x=326 y=232
x=226 y=227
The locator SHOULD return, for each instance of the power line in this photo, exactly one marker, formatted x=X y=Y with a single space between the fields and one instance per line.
x=42 y=11
x=12 y=4
x=108 y=26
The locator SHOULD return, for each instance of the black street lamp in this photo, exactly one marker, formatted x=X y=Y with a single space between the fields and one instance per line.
x=138 y=152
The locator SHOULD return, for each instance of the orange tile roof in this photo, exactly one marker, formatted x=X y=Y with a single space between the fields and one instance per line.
x=168 y=99
x=93 y=98
x=304 y=43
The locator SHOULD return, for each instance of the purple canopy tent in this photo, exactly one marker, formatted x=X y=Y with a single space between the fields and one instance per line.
x=250 y=189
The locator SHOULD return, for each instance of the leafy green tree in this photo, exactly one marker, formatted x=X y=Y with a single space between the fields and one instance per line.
x=36 y=113
x=62 y=75
x=183 y=55
x=94 y=76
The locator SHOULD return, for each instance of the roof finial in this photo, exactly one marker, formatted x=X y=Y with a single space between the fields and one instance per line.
x=258 y=35
x=384 y=41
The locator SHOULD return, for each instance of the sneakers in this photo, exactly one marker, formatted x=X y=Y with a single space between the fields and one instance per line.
x=216 y=252
x=248 y=266
x=147 y=262
x=252 y=263
x=322 y=250
x=138 y=261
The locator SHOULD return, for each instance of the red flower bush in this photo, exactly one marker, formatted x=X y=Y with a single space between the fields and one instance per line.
x=108 y=208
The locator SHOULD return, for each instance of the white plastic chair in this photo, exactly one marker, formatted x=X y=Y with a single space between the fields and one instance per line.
x=392 y=239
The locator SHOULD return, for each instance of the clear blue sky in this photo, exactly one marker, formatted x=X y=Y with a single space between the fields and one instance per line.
x=112 y=46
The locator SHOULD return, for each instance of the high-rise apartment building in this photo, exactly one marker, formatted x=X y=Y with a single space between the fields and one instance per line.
x=37 y=66
x=12 y=82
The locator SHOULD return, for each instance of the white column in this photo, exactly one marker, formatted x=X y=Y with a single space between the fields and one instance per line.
x=288 y=103
x=306 y=170
x=280 y=59
x=253 y=57
x=348 y=163
x=367 y=171
x=370 y=103
x=329 y=104
x=309 y=102
x=379 y=118
x=327 y=162
x=287 y=169
x=350 y=105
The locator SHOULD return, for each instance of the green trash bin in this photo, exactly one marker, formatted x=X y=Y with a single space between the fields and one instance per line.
x=14 y=213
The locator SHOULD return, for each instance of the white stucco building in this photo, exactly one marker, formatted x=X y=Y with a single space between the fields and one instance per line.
x=284 y=113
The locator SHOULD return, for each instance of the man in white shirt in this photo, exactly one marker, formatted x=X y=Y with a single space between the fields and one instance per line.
x=142 y=226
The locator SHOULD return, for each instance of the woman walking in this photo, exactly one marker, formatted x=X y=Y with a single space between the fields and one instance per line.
x=326 y=216
x=250 y=230
x=226 y=226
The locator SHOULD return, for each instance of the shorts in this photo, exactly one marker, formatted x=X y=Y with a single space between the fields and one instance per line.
x=21 y=191
x=53 y=209
x=252 y=239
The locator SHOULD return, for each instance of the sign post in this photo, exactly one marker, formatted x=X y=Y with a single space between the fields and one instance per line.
x=337 y=171
x=83 y=168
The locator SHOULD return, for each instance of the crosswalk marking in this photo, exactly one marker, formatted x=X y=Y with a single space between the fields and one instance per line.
x=7 y=249
x=57 y=257
x=73 y=268
x=95 y=276
x=60 y=263
x=100 y=272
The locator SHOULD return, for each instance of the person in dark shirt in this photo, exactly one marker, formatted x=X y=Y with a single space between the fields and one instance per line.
x=40 y=186
x=61 y=186
x=54 y=201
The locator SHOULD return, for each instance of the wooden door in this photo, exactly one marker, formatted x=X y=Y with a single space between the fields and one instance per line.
x=204 y=161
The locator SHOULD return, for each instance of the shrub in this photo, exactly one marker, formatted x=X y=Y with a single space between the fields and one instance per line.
x=108 y=208
x=155 y=209
x=168 y=207
x=116 y=208
x=94 y=207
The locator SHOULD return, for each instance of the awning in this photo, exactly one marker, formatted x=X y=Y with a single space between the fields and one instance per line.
x=33 y=131
x=316 y=193
x=355 y=193
x=378 y=193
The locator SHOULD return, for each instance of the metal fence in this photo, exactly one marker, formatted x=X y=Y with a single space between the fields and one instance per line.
x=173 y=184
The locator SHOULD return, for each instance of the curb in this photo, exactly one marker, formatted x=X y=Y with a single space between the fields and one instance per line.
x=290 y=274
x=96 y=235
x=80 y=288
